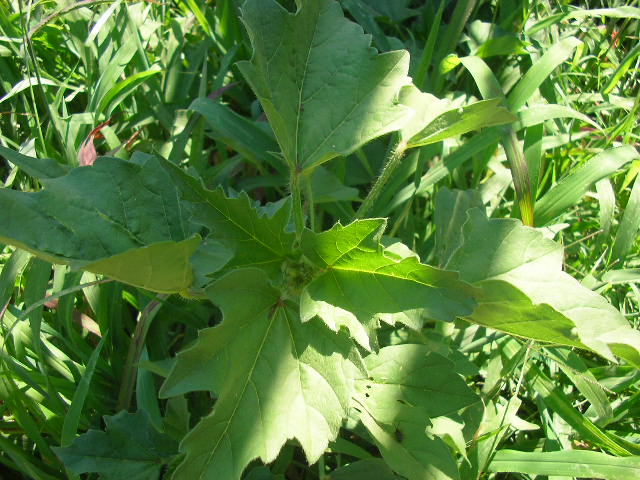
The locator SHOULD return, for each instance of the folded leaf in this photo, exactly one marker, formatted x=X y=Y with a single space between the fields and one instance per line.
x=117 y=218
x=130 y=448
x=324 y=89
x=361 y=283
x=526 y=293
x=436 y=120
x=275 y=379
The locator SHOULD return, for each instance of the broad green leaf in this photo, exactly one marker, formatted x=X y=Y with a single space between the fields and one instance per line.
x=526 y=293
x=259 y=236
x=130 y=448
x=568 y=191
x=412 y=375
x=569 y=463
x=361 y=283
x=396 y=11
x=365 y=470
x=449 y=216
x=436 y=119
x=162 y=266
x=406 y=385
x=275 y=379
x=130 y=220
x=39 y=168
x=325 y=91
x=365 y=16
x=409 y=451
x=117 y=218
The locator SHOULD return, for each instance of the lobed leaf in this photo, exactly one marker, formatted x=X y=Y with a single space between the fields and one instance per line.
x=361 y=283
x=130 y=447
x=139 y=222
x=325 y=91
x=275 y=379
x=259 y=236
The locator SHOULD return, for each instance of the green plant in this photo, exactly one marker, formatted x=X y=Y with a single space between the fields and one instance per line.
x=344 y=327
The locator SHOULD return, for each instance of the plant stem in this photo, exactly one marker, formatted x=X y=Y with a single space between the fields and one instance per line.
x=296 y=193
x=321 y=468
x=135 y=350
x=392 y=163
x=308 y=197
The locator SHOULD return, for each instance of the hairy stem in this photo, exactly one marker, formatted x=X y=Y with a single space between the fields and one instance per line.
x=392 y=163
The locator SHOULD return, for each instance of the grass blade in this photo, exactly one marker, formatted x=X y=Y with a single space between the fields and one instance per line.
x=539 y=72
x=570 y=189
x=570 y=463
x=72 y=418
x=627 y=233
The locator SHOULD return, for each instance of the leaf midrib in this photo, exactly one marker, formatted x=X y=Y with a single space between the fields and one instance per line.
x=249 y=376
x=300 y=91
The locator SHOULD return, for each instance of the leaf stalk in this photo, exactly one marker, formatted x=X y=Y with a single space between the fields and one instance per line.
x=392 y=163
x=296 y=192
